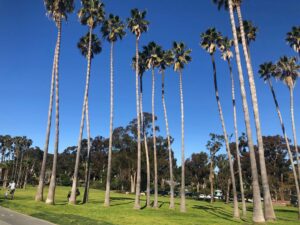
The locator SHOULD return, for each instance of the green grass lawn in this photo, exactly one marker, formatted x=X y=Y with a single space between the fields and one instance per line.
x=122 y=212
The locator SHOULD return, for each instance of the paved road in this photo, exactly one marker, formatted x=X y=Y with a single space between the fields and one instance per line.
x=9 y=217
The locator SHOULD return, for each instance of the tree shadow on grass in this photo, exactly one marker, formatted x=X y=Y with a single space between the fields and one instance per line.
x=217 y=212
x=66 y=219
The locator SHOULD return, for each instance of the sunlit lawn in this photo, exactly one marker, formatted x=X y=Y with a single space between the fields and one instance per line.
x=122 y=212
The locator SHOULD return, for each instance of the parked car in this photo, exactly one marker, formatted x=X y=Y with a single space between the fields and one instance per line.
x=202 y=196
x=208 y=197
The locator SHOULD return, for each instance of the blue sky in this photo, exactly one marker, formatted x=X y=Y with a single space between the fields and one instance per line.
x=27 y=45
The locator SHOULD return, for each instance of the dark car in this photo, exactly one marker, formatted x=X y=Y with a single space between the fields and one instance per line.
x=294 y=200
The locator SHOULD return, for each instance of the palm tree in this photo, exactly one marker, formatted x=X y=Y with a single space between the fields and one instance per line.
x=267 y=71
x=268 y=206
x=167 y=59
x=209 y=42
x=288 y=70
x=91 y=14
x=225 y=46
x=153 y=56
x=258 y=215
x=142 y=69
x=138 y=25
x=182 y=56
x=293 y=39
x=57 y=10
x=112 y=30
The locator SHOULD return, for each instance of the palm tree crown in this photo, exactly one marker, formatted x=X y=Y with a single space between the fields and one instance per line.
x=153 y=53
x=113 y=28
x=250 y=32
x=210 y=40
x=83 y=45
x=166 y=60
x=92 y=13
x=293 y=38
x=267 y=70
x=182 y=55
x=287 y=70
x=137 y=23
x=225 y=44
x=57 y=9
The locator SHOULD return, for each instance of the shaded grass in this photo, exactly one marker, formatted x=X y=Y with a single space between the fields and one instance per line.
x=122 y=212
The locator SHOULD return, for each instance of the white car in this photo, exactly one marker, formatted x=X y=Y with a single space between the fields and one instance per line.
x=208 y=197
x=202 y=196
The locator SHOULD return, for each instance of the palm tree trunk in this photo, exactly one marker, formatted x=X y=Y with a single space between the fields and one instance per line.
x=182 y=200
x=148 y=203
x=137 y=204
x=108 y=178
x=155 y=205
x=244 y=209
x=88 y=161
x=26 y=177
x=52 y=186
x=211 y=178
x=258 y=216
x=236 y=213
x=20 y=170
x=169 y=141
x=40 y=189
x=268 y=206
x=72 y=199
x=228 y=190
x=287 y=144
x=291 y=89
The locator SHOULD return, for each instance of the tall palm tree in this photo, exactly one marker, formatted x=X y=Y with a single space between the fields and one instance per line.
x=225 y=45
x=258 y=215
x=142 y=70
x=182 y=56
x=209 y=42
x=288 y=70
x=167 y=60
x=57 y=10
x=138 y=25
x=112 y=30
x=268 y=206
x=267 y=71
x=91 y=14
x=293 y=38
x=153 y=57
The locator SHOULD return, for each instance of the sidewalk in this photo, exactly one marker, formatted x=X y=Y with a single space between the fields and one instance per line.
x=9 y=217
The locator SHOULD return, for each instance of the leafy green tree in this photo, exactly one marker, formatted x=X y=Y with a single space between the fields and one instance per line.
x=225 y=45
x=209 y=42
x=182 y=56
x=112 y=30
x=91 y=14
x=57 y=10
x=138 y=25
